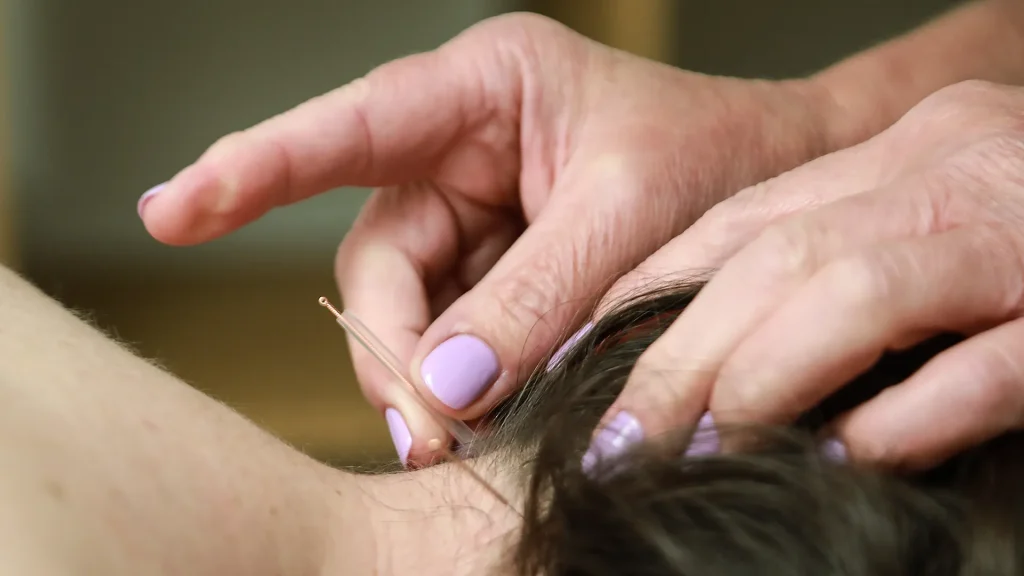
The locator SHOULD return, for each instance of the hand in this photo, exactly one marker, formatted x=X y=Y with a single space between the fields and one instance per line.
x=521 y=168
x=915 y=232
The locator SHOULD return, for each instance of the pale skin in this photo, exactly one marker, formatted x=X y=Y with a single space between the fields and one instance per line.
x=112 y=466
x=889 y=246
x=522 y=170
x=917 y=231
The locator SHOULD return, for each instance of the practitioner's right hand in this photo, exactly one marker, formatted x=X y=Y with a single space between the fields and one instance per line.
x=520 y=169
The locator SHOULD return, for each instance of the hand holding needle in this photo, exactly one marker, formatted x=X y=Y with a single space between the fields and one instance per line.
x=462 y=433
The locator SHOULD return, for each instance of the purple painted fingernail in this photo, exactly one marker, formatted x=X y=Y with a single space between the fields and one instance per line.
x=459 y=370
x=613 y=439
x=148 y=195
x=834 y=450
x=557 y=357
x=705 y=439
x=400 y=434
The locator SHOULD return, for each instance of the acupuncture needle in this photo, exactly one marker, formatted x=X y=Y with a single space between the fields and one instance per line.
x=355 y=328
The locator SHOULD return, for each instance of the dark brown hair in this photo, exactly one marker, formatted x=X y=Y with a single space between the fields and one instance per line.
x=780 y=507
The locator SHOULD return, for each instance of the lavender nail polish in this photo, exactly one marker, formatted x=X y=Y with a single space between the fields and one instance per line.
x=400 y=434
x=613 y=439
x=147 y=196
x=705 y=440
x=834 y=450
x=459 y=370
x=557 y=357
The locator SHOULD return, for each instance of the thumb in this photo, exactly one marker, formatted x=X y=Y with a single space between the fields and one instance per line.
x=392 y=126
x=593 y=229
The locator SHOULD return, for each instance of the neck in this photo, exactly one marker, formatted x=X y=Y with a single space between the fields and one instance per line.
x=433 y=522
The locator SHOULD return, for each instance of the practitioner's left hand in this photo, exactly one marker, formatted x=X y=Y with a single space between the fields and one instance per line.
x=916 y=232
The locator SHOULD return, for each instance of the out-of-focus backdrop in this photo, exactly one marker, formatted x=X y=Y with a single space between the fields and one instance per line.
x=105 y=98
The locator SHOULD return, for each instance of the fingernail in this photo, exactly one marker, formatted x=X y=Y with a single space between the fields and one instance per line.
x=705 y=439
x=148 y=195
x=613 y=439
x=400 y=434
x=557 y=357
x=834 y=450
x=459 y=370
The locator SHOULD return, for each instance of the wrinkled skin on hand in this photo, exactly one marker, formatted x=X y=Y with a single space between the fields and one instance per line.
x=519 y=170
x=916 y=232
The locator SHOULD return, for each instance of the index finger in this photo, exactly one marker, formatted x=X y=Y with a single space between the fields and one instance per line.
x=388 y=127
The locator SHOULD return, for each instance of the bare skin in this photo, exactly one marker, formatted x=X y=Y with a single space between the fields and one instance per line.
x=113 y=466
x=915 y=231
x=522 y=169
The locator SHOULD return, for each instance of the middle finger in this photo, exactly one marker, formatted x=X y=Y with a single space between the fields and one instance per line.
x=843 y=319
x=761 y=277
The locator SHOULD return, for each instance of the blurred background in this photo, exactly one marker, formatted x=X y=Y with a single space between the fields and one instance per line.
x=103 y=99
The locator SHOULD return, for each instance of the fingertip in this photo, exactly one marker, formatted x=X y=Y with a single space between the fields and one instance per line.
x=835 y=450
x=401 y=436
x=193 y=207
x=879 y=445
x=612 y=439
x=147 y=196
x=705 y=440
x=459 y=370
x=419 y=439
x=468 y=373
x=568 y=345
x=237 y=180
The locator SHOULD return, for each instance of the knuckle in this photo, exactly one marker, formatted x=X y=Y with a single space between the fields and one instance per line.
x=715 y=224
x=519 y=20
x=525 y=297
x=232 y=158
x=623 y=288
x=857 y=282
x=518 y=28
x=750 y=205
x=658 y=384
x=885 y=453
x=726 y=210
x=1002 y=373
x=785 y=250
x=741 y=390
x=710 y=234
x=737 y=396
x=756 y=195
x=976 y=91
x=966 y=95
x=356 y=91
x=221 y=159
x=971 y=109
x=224 y=146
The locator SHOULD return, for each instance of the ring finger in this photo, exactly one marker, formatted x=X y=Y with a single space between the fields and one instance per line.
x=855 y=308
x=758 y=280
